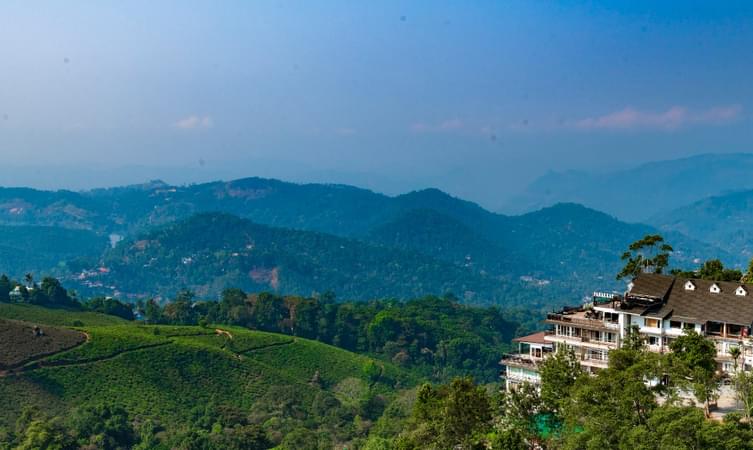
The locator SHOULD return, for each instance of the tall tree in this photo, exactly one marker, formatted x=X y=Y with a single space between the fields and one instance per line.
x=649 y=254
x=559 y=373
x=748 y=277
x=692 y=362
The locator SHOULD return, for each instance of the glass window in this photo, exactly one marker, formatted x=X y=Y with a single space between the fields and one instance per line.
x=675 y=324
x=653 y=323
x=714 y=328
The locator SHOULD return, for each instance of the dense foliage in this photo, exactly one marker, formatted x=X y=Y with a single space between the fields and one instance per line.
x=616 y=408
x=435 y=336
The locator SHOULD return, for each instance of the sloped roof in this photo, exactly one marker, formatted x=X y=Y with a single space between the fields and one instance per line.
x=651 y=285
x=535 y=338
x=701 y=305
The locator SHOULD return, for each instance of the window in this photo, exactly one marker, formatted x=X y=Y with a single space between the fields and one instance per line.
x=734 y=330
x=675 y=324
x=611 y=317
x=652 y=323
x=714 y=289
x=653 y=340
x=741 y=291
x=688 y=326
x=689 y=286
x=714 y=328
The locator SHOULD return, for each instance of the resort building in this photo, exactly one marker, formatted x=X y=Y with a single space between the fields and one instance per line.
x=522 y=367
x=661 y=308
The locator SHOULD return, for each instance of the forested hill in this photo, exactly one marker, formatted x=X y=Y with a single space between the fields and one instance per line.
x=566 y=250
x=209 y=252
x=420 y=242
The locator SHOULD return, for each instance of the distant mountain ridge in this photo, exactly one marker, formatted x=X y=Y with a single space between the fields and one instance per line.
x=725 y=221
x=644 y=191
x=437 y=241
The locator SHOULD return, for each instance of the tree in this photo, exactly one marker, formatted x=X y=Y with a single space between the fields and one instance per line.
x=743 y=383
x=693 y=364
x=748 y=277
x=54 y=291
x=516 y=424
x=711 y=270
x=5 y=287
x=649 y=254
x=559 y=374
x=104 y=426
x=29 y=278
x=450 y=416
x=735 y=353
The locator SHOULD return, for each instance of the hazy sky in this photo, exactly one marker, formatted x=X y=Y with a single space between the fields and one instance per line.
x=475 y=97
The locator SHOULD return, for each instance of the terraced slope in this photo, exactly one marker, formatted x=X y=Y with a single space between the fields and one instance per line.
x=166 y=372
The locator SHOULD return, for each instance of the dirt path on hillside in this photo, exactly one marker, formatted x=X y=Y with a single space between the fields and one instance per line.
x=39 y=363
x=226 y=333
x=78 y=362
x=240 y=353
x=18 y=366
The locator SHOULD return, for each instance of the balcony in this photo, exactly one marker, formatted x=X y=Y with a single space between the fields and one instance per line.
x=581 y=341
x=579 y=319
x=520 y=360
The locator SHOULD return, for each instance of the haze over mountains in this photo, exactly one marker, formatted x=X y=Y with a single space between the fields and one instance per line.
x=639 y=193
x=263 y=234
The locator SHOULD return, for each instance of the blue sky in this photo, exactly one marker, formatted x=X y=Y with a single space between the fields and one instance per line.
x=475 y=97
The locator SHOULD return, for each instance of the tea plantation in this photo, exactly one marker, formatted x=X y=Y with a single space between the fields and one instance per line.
x=165 y=374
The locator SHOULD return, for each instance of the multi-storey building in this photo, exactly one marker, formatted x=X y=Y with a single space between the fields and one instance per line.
x=661 y=307
x=522 y=367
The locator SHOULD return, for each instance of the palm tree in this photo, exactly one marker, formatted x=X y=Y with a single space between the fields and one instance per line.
x=734 y=352
x=29 y=277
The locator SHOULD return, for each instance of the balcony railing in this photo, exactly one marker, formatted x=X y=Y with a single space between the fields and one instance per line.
x=516 y=359
x=569 y=319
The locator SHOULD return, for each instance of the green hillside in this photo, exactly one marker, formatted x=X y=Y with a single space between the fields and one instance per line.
x=309 y=238
x=167 y=375
x=45 y=248
x=210 y=252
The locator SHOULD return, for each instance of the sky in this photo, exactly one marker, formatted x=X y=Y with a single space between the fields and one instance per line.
x=477 y=98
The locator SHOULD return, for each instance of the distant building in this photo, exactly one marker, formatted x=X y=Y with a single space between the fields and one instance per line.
x=16 y=295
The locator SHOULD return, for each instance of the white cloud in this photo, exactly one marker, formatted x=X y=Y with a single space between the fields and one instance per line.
x=673 y=118
x=194 y=122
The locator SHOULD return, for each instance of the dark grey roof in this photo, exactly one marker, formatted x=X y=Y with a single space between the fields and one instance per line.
x=699 y=305
x=651 y=285
x=702 y=305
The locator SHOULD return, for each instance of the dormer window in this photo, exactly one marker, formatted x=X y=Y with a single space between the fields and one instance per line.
x=741 y=291
x=714 y=289
x=689 y=286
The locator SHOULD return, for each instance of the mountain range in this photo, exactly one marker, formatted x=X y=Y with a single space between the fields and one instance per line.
x=724 y=220
x=263 y=234
x=640 y=193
